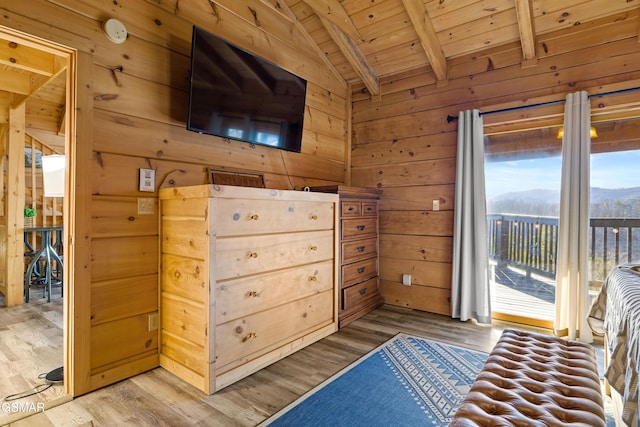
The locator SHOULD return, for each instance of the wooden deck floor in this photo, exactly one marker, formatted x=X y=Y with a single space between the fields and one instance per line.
x=514 y=294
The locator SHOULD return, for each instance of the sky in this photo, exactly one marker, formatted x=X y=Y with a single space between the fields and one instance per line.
x=608 y=170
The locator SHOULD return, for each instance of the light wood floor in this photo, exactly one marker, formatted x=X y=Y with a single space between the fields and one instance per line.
x=31 y=344
x=158 y=398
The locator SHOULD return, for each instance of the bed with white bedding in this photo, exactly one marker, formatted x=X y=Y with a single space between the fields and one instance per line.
x=615 y=314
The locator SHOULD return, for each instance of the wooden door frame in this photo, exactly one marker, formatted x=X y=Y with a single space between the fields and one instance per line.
x=70 y=297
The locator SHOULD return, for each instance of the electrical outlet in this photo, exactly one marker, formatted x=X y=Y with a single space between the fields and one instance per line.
x=146 y=206
x=406 y=279
x=153 y=322
x=436 y=204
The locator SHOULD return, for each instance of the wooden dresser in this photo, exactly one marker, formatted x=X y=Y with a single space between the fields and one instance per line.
x=248 y=276
x=359 y=282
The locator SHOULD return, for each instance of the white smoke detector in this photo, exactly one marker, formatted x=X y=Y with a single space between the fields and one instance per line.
x=115 y=31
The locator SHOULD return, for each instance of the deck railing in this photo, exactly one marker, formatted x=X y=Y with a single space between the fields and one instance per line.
x=531 y=242
x=525 y=241
x=613 y=241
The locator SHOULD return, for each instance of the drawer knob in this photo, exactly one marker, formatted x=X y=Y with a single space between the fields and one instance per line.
x=360 y=248
x=253 y=217
x=362 y=291
x=250 y=336
x=313 y=278
x=361 y=270
x=252 y=255
x=253 y=294
x=360 y=227
x=313 y=247
x=313 y=217
x=351 y=209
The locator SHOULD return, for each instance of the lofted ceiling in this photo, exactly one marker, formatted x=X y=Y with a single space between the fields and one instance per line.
x=362 y=41
x=366 y=40
x=38 y=79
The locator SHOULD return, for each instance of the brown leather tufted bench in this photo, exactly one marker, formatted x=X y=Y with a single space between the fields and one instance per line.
x=535 y=380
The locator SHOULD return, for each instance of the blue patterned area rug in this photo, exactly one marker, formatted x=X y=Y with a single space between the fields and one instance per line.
x=407 y=381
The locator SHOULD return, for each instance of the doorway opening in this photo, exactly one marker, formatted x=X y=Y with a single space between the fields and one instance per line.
x=37 y=121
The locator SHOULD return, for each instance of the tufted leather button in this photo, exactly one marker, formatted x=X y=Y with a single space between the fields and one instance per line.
x=534 y=380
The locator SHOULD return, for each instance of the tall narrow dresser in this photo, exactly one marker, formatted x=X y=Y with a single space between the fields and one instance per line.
x=358 y=258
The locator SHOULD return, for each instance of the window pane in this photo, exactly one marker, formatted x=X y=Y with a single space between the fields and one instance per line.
x=614 y=236
x=522 y=173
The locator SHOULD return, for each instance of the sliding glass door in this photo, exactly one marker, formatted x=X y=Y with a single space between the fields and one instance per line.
x=615 y=198
x=522 y=172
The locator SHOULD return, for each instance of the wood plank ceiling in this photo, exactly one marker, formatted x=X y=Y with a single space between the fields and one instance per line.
x=362 y=41
x=366 y=40
x=37 y=78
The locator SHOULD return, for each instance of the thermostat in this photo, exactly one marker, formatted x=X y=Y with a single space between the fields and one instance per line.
x=147 y=181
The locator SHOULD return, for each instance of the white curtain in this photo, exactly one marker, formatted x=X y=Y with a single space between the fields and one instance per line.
x=470 y=275
x=572 y=291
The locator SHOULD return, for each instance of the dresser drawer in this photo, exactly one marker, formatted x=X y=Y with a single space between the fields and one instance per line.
x=370 y=208
x=246 y=338
x=359 y=227
x=240 y=297
x=237 y=217
x=360 y=249
x=350 y=208
x=241 y=256
x=356 y=294
x=359 y=271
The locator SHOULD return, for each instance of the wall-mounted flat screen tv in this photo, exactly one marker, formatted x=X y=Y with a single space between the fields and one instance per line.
x=234 y=94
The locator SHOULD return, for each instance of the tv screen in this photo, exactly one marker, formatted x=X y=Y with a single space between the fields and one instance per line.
x=234 y=94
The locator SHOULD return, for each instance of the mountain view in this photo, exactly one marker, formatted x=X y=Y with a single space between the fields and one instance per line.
x=605 y=202
x=522 y=186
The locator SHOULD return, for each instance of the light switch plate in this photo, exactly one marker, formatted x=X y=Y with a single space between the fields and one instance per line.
x=146 y=206
x=147 y=180
x=436 y=204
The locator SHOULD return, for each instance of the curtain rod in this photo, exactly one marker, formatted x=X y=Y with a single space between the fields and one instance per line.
x=451 y=118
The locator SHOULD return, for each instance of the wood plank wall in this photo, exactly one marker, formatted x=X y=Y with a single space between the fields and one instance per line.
x=404 y=144
x=135 y=118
